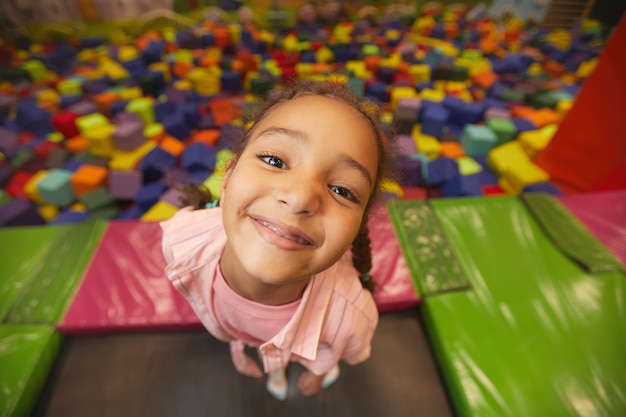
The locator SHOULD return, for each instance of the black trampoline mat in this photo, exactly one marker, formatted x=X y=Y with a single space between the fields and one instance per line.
x=190 y=374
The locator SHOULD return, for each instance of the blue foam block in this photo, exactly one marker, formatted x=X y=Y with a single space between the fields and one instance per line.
x=441 y=170
x=149 y=194
x=156 y=163
x=434 y=120
x=70 y=217
x=543 y=187
x=176 y=126
x=198 y=156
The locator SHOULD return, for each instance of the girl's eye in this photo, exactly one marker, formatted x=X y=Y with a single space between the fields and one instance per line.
x=344 y=192
x=273 y=161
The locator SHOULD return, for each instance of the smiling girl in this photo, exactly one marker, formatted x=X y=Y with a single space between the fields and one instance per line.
x=282 y=263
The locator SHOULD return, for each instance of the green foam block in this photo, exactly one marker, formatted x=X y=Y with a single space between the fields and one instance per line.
x=48 y=263
x=27 y=354
x=538 y=335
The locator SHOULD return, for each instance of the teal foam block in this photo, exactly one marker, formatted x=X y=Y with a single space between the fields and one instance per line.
x=55 y=187
x=478 y=140
x=538 y=334
x=27 y=354
x=48 y=264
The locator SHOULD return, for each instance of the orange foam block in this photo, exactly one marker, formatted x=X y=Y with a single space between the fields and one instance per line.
x=452 y=149
x=87 y=178
x=485 y=79
x=224 y=110
x=206 y=136
x=172 y=146
x=544 y=117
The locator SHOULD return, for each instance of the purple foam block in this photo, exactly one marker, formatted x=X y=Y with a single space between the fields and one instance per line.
x=7 y=103
x=149 y=194
x=124 y=185
x=9 y=141
x=6 y=172
x=20 y=212
x=173 y=196
x=84 y=107
x=70 y=216
x=129 y=136
x=176 y=126
x=410 y=172
x=404 y=145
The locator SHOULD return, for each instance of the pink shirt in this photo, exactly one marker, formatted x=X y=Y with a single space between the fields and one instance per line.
x=334 y=320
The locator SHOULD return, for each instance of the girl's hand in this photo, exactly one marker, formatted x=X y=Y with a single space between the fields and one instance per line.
x=309 y=383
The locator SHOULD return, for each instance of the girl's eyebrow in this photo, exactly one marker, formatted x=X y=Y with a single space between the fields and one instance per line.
x=300 y=136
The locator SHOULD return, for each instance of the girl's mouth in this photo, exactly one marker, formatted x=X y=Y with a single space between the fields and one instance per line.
x=286 y=232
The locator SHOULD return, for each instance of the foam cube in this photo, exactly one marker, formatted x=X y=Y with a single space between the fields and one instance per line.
x=96 y=199
x=149 y=194
x=198 y=156
x=442 y=170
x=124 y=185
x=100 y=140
x=17 y=183
x=434 y=120
x=70 y=216
x=55 y=188
x=516 y=177
x=87 y=178
x=161 y=210
x=478 y=139
x=504 y=129
x=500 y=158
x=175 y=125
x=90 y=121
x=9 y=142
x=144 y=107
x=128 y=136
x=20 y=212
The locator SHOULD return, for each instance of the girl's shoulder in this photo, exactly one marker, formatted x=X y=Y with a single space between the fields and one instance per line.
x=189 y=230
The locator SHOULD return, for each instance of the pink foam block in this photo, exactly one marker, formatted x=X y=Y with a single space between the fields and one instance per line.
x=394 y=289
x=125 y=287
x=604 y=214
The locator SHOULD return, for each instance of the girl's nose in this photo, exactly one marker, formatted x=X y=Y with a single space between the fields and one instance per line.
x=301 y=195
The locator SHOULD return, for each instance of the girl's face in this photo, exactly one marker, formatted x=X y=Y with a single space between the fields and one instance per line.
x=294 y=200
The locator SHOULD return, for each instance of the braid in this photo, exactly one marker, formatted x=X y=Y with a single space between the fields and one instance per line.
x=195 y=195
x=362 y=256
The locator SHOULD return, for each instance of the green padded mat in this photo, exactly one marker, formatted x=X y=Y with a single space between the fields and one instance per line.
x=569 y=234
x=41 y=267
x=26 y=357
x=537 y=335
x=432 y=263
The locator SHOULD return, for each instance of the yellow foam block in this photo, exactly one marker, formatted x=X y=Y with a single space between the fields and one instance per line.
x=391 y=186
x=305 y=70
x=357 y=68
x=48 y=212
x=324 y=54
x=70 y=87
x=162 y=210
x=290 y=43
x=91 y=121
x=126 y=161
x=426 y=144
x=420 y=73
x=563 y=106
x=100 y=140
x=214 y=183
x=468 y=166
x=432 y=94
x=30 y=188
x=534 y=141
x=130 y=93
x=163 y=68
x=78 y=206
x=398 y=93
x=518 y=176
x=505 y=155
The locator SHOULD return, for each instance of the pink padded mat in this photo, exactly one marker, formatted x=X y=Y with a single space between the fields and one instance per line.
x=125 y=288
x=604 y=214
